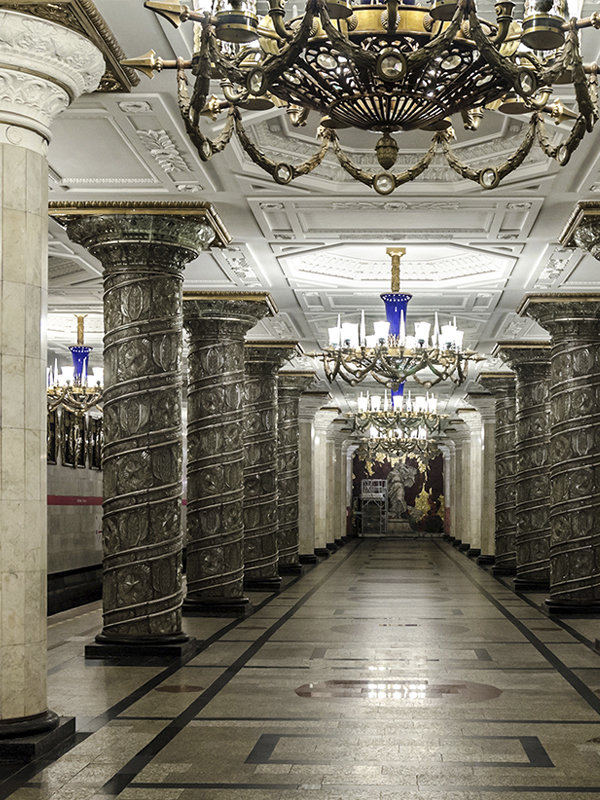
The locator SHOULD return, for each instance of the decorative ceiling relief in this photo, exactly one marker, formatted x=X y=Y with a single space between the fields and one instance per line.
x=163 y=150
x=553 y=269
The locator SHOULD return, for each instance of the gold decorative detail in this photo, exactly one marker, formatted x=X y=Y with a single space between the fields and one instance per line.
x=83 y=17
x=252 y=297
x=63 y=211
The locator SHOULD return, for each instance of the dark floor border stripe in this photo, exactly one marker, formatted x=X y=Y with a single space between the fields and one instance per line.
x=340 y=787
x=129 y=771
x=580 y=687
x=23 y=775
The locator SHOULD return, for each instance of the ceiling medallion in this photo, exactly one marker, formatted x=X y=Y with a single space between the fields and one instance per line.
x=384 y=68
x=391 y=355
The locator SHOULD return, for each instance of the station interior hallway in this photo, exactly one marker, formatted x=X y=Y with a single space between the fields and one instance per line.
x=394 y=669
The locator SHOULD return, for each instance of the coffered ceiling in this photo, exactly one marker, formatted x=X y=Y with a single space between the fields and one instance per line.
x=318 y=245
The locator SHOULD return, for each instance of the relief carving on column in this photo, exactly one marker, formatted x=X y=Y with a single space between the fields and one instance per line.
x=573 y=320
x=531 y=363
x=143 y=255
x=216 y=325
x=261 y=553
x=291 y=385
x=502 y=386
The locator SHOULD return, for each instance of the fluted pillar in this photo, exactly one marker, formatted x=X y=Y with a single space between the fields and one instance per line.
x=290 y=387
x=310 y=403
x=502 y=387
x=38 y=82
x=216 y=323
x=337 y=437
x=473 y=421
x=323 y=420
x=261 y=523
x=573 y=321
x=531 y=364
x=143 y=249
x=486 y=406
x=459 y=433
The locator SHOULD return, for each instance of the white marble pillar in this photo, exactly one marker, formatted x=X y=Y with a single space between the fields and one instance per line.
x=459 y=434
x=323 y=420
x=337 y=500
x=486 y=406
x=43 y=67
x=310 y=403
x=473 y=538
x=447 y=447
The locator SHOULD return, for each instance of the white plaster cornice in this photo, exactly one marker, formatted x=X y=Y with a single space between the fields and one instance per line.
x=43 y=68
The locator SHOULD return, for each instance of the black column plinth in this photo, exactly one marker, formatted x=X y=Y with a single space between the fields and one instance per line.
x=473 y=552
x=523 y=585
x=112 y=647
x=323 y=552
x=566 y=608
x=456 y=542
x=217 y=606
x=289 y=569
x=27 y=739
x=447 y=536
x=464 y=547
x=262 y=584
x=486 y=561
x=308 y=558
x=499 y=570
x=339 y=542
x=332 y=547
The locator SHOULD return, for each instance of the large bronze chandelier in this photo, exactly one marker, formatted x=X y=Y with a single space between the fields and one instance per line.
x=398 y=416
x=391 y=354
x=385 y=68
x=72 y=388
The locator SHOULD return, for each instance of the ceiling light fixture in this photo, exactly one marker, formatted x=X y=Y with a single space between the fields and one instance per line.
x=390 y=355
x=69 y=388
x=396 y=415
x=385 y=68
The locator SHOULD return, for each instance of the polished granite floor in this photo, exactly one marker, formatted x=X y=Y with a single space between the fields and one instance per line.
x=395 y=670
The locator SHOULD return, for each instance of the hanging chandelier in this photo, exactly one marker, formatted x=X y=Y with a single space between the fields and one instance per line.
x=385 y=68
x=390 y=356
x=397 y=415
x=390 y=446
x=70 y=388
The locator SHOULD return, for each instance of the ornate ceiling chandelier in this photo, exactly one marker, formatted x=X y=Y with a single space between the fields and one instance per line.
x=385 y=68
x=398 y=417
x=390 y=356
x=391 y=446
x=69 y=388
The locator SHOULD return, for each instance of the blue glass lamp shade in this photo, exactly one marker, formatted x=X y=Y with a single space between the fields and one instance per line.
x=399 y=392
x=395 y=310
x=80 y=355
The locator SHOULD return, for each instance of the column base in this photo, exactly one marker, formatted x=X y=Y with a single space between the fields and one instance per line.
x=464 y=547
x=447 y=536
x=565 y=607
x=473 y=552
x=262 y=584
x=500 y=569
x=486 y=561
x=289 y=569
x=32 y=738
x=524 y=585
x=323 y=552
x=456 y=542
x=308 y=558
x=332 y=547
x=339 y=542
x=179 y=645
x=217 y=607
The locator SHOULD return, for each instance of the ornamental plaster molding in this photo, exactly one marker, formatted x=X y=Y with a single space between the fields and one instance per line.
x=163 y=150
x=43 y=67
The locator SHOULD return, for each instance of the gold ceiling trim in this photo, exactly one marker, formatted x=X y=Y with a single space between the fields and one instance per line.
x=291 y=373
x=248 y=297
x=62 y=211
x=83 y=17
x=274 y=343
x=521 y=345
x=558 y=297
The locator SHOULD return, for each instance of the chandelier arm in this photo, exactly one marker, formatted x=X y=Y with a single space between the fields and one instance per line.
x=275 y=64
x=433 y=48
x=500 y=64
x=204 y=146
x=413 y=172
x=270 y=166
x=201 y=71
x=225 y=66
x=350 y=167
x=364 y=60
x=551 y=75
x=587 y=107
x=571 y=142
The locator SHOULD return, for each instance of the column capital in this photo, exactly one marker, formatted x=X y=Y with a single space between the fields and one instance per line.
x=325 y=416
x=528 y=359
x=293 y=382
x=225 y=314
x=583 y=227
x=458 y=432
x=564 y=315
x=310 y=403
x=485 y=404
x=471 y=417
x=43 y=68
x=499 y=384
x=266 y=356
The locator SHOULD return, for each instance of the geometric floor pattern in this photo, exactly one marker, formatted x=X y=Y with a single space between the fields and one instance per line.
x=394 y=670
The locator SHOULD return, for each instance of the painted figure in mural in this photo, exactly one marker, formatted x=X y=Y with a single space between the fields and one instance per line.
x=400 y=477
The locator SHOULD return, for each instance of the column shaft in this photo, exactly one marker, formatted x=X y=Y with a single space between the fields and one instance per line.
x=215 y=469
